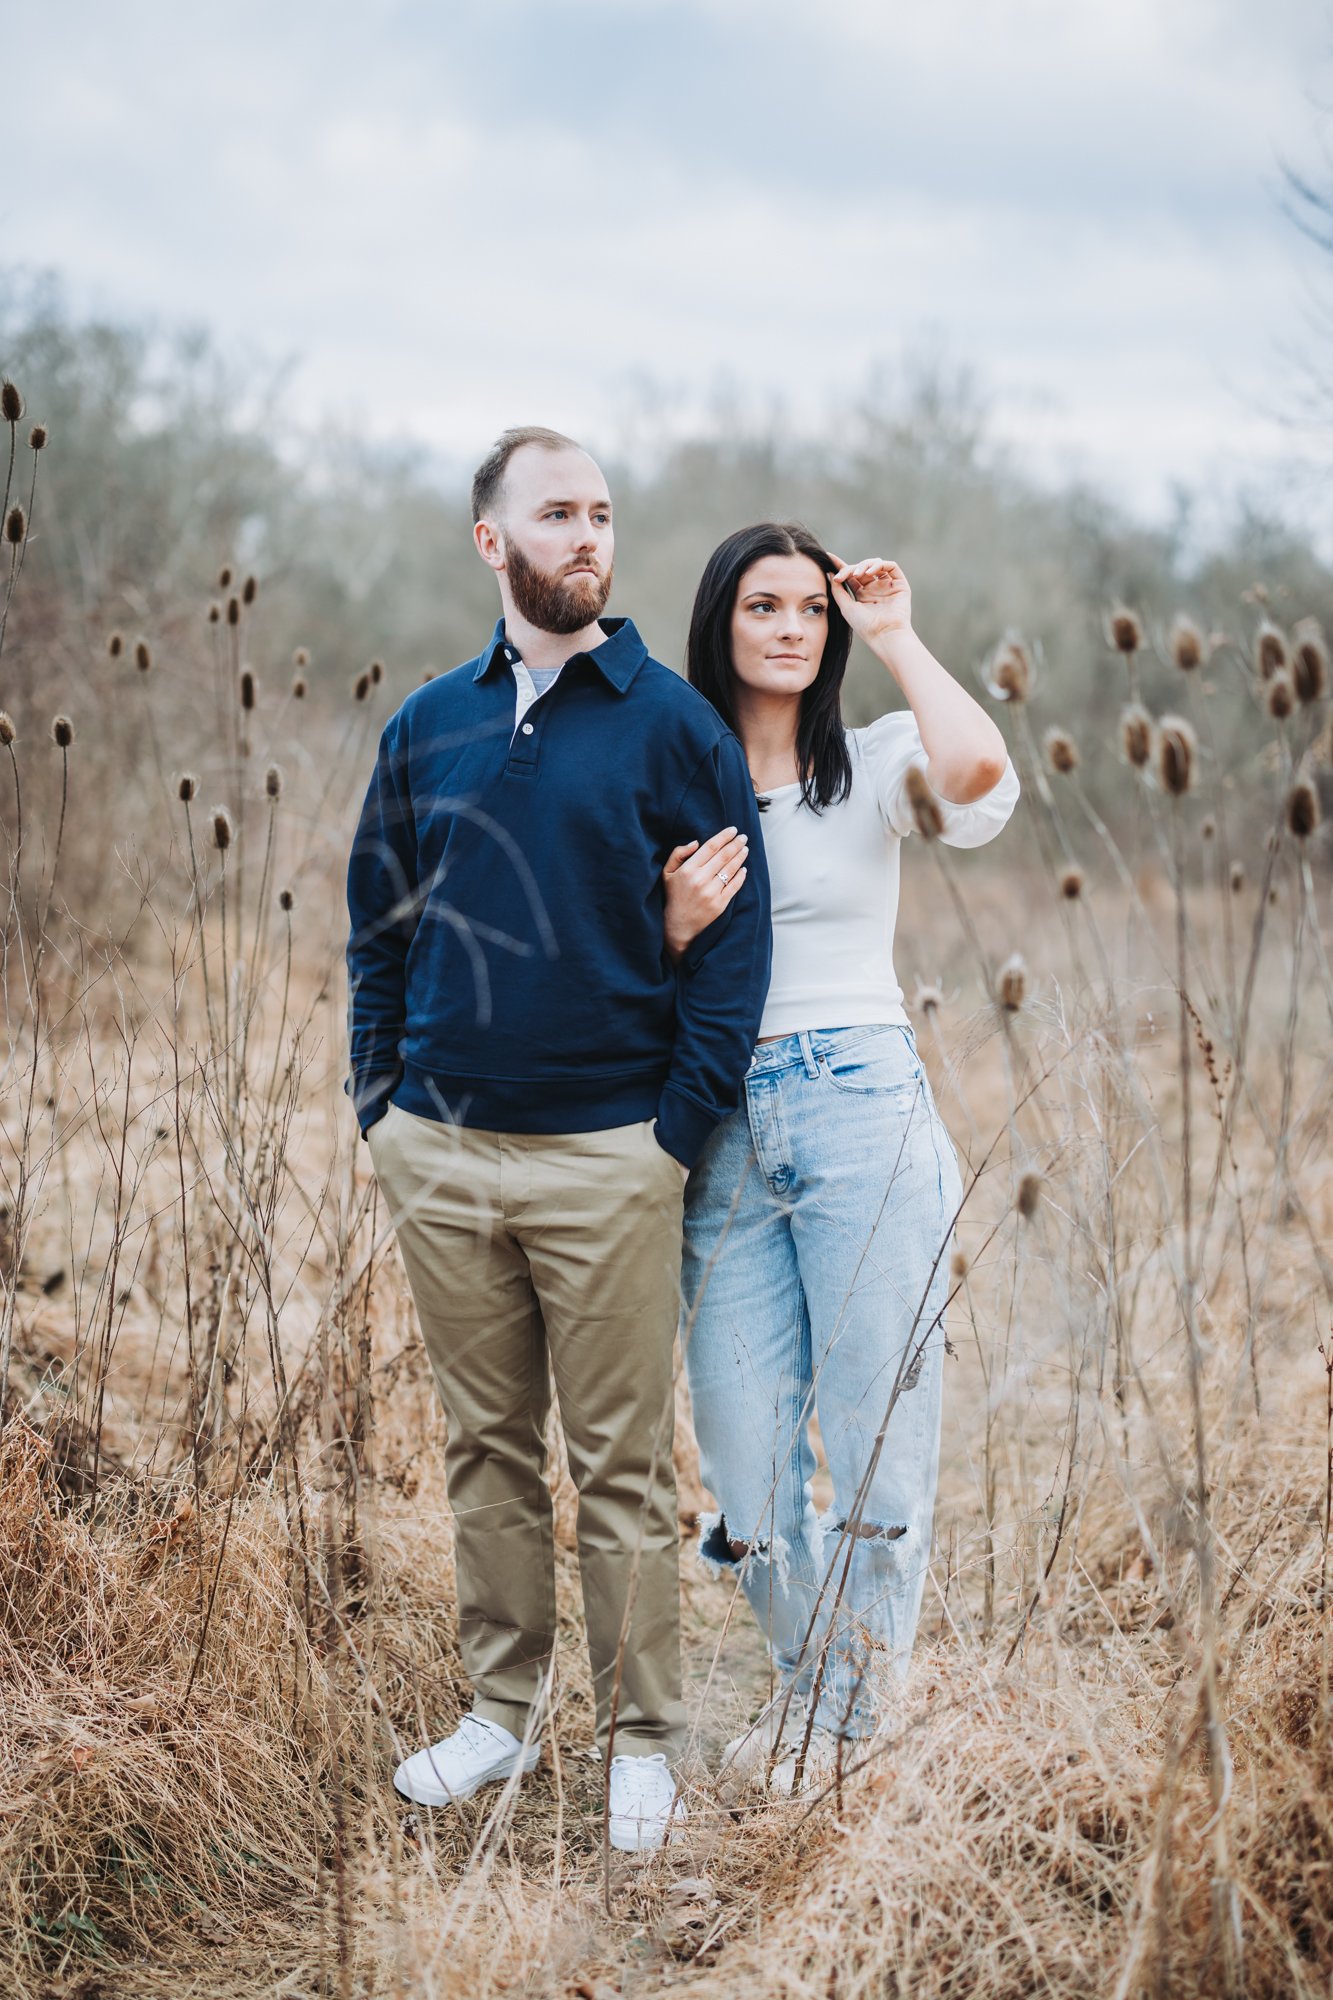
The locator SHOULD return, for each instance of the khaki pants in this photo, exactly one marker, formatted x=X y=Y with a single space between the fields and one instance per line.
x=530 y=1255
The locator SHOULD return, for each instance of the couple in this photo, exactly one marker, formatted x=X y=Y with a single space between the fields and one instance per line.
x=573 y=874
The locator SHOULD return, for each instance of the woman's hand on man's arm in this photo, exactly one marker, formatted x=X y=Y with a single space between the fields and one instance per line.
x=699 y=882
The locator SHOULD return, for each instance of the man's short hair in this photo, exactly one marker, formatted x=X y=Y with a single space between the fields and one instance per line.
x=489 y=475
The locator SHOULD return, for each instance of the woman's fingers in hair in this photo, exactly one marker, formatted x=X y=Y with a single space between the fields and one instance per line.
x=871 y=570
x=844 y=576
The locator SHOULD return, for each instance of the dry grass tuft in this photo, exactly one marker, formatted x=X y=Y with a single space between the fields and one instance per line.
x=131 y=1805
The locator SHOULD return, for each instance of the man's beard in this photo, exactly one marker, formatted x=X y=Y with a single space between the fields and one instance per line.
x=554 y=603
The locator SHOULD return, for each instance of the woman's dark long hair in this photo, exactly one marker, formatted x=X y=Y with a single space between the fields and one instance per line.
x=821 y=742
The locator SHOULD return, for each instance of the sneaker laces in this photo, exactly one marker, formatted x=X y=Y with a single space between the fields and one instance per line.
x=475 y=1733
x=639 y=1773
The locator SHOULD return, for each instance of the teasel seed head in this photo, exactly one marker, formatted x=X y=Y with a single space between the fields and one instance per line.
x=186 y=787
x=1187 y=646
x=233 y=610
x=958 y=1266
x=115 y=645
x=362 y=688
x=1028 y=1199
x=16 y=525
x=215 y=613
x=1309 y=669
x=62 y=732
x=928 y=997
x=1302 y=809
x=376 y=672
x=11 y=403
x=1176 y=753
x=224 y=577
x=7 y=729
x=1008 y=676
x=299 y=687
x=37 y=437
x=249 y=590
x=286 y=900
x=1272 y=894
x=143 y=658
x=1061 y=751
x=222 y=829
x=1013 y=983
x=926 y=815
x=273 y=781
x=1071 y=883
x=1281 y=700
x=1136 y=732
x=1237 y=877
x=249 y=688
x=1126 y=630
x=301 y=657
x=1270 y=649
x=1208 y=828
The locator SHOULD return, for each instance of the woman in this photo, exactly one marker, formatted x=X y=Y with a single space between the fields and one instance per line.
x=819 y=1215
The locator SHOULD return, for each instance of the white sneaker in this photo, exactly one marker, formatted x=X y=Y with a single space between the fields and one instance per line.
x=821 y=1760
x=746 y=1756
x=644 y=1806
x=478 y=1753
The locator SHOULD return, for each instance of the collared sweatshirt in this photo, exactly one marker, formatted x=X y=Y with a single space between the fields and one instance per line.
x=506 y=965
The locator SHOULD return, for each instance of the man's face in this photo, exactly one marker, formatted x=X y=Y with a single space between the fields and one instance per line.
x=552 y=541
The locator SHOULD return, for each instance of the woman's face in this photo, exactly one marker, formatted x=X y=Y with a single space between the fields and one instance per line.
x=779 y=624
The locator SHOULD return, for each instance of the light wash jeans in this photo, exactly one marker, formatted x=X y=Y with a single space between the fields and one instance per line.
x=818 y=1225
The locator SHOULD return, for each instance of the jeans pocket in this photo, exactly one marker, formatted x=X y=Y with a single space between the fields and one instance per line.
x=879 y=1064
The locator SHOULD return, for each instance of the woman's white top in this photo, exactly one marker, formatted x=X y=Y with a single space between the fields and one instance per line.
x=833 y=876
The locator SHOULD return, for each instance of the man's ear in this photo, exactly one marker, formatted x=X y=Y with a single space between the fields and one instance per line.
x=490 y=544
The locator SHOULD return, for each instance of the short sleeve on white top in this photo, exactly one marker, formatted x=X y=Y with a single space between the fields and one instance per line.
x=891 y=747
x=833 y=877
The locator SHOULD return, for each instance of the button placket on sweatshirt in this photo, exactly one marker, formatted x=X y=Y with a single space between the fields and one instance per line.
x=525 y=744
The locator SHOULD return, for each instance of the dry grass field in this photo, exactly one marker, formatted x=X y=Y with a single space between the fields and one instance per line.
x=225 y=1547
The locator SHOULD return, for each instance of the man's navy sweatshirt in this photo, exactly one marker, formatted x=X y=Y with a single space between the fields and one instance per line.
x=507 y=968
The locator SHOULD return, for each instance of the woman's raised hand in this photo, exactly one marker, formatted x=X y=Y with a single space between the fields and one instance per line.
x=874 y=596
x=699 y=883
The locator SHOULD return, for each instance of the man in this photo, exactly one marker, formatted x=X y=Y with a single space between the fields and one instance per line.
x=535 y=1080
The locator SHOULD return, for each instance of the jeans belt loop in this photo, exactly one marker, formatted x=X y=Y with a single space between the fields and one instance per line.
x=808 y=1056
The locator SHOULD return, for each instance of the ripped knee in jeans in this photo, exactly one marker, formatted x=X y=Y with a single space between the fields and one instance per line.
x=866 y=1531
x=723 y=1554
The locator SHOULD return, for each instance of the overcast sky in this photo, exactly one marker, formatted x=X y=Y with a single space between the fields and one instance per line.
x=457 y=218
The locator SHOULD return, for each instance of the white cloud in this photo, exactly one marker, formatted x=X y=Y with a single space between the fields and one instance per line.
x=516 y=212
